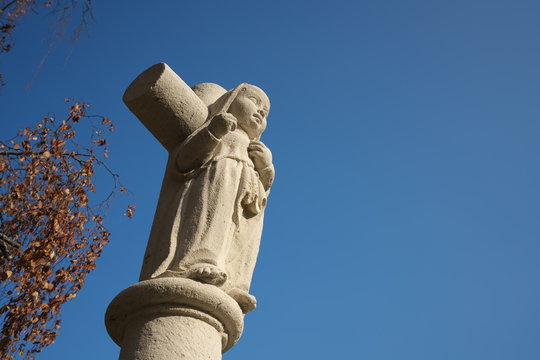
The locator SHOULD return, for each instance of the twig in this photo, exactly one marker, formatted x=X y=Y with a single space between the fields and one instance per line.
x=8 y=5
x=4 y=241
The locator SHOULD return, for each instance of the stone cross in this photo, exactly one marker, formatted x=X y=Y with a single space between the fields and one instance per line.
x=197 y=269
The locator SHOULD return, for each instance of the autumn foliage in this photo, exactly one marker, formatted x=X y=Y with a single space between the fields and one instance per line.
x=46 y=178
x=51 y=228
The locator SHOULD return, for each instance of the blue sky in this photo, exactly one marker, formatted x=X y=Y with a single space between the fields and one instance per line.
x=403 y=223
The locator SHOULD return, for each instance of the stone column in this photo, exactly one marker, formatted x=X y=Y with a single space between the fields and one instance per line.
x=173 y=318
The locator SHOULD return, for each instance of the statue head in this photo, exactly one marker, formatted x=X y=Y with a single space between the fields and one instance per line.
x=250 y=107
x=248 y=103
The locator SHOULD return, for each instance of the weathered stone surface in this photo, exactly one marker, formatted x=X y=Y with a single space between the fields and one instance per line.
x=205 y=237
x=209 y=217
x=170 y=318
x=165 y=104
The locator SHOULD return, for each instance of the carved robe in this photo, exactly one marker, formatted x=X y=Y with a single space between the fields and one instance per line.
x=211 y=213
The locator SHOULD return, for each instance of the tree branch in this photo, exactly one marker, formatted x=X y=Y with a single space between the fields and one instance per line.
x=8 y=5
x=5 y=241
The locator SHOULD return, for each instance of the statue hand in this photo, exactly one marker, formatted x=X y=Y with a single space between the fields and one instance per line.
x=222 y=124
x=260 y=155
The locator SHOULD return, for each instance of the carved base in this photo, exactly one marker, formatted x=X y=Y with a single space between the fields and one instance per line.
x=173 y=318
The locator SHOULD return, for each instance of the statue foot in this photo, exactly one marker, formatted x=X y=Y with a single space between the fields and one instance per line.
x=246 y=301
x=207 y=273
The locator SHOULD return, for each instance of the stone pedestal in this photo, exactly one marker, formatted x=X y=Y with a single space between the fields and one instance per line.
x=173 y=318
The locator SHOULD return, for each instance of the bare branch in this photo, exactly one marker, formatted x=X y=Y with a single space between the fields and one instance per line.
x=5 y=7
x=4 y=241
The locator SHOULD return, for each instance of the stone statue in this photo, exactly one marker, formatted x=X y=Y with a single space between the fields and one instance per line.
x=194 y=284
x=208 y=222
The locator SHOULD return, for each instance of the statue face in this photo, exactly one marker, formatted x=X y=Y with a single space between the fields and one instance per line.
x=251 y=108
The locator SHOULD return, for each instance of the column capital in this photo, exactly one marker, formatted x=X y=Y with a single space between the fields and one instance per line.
x=161 y=297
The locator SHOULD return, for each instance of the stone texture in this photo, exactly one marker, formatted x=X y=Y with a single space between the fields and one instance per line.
x=203 y=246
x=169 y=318
x=170 y=337
x=165 y=104
x=209 y=217
x=208 y=92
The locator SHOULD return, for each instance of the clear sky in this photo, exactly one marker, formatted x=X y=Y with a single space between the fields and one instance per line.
x=404 y=220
